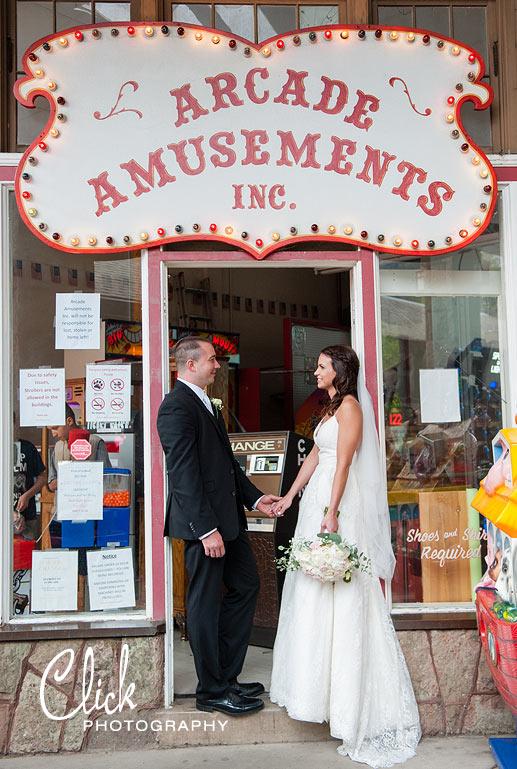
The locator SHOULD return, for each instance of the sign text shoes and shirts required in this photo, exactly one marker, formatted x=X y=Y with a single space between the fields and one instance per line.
x=368 y=117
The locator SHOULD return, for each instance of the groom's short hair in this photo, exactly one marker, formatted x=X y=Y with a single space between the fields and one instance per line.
x=188 y=348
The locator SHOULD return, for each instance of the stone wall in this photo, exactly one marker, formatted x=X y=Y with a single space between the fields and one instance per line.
x=452 y=682
x=24 y=728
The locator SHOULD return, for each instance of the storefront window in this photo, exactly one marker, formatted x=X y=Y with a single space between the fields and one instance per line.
x=463 y=22
x=443 y=405
x=34 y=20
x=240 y=20
x=77 y=515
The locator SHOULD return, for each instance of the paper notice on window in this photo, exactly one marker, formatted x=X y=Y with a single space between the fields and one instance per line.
x=78 y=321
x=108 y=393
x=54 y=580
x=439 y=395
x=42 y=397
x=79 y=491
x=111 y=581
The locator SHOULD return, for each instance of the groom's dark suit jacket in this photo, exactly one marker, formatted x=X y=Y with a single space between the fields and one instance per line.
x=207 y=487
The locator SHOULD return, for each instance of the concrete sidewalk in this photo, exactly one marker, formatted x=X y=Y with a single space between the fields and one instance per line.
x=465 y=752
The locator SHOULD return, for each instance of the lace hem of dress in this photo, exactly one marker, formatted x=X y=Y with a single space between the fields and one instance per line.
x=390 y=748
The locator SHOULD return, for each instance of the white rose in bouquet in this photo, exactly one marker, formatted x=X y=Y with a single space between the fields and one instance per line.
x=328 y=558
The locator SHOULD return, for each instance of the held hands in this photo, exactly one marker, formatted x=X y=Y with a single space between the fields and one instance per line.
x=266 y=505
x=282 y=505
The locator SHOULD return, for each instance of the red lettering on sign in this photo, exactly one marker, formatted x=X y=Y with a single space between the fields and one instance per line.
x=183 y=162
x=395 y=419
x=228 y=89
x=155 y=162
x=252 y=150
x=294 y=87
x=436 y=200
x=363 y=99
x=412 y=172
x=215 y=143
x=100 y=183
x=339 y=157
x=249 y=85
x=308 y=146
x=185 y=102
x=326 y=95
x=373 y=161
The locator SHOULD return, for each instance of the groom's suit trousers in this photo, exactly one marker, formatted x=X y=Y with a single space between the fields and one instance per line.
x=219 y=626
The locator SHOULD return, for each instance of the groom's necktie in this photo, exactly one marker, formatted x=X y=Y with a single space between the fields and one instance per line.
x=207 y=402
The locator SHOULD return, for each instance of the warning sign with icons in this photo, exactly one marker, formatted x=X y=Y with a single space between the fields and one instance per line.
x=108 y=393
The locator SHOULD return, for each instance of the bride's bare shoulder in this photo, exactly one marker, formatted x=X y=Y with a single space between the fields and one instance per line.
x=349 y=409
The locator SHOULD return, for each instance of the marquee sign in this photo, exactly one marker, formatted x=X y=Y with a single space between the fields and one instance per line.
x=163 y=133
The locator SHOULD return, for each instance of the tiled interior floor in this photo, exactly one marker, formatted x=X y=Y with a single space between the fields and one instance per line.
x=257 y=666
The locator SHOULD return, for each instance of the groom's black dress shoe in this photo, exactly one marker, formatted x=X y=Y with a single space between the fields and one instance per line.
x=232 y=704
x=247 y=690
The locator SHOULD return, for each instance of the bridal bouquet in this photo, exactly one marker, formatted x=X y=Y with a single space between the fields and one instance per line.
x=328 y=558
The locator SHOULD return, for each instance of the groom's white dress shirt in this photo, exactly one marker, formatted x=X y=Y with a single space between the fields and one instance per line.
x=203 y=397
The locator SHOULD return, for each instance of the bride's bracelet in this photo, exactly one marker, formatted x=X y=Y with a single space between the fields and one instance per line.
x=326 y=509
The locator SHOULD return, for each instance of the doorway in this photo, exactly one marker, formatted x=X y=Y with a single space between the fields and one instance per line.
x=268 y=320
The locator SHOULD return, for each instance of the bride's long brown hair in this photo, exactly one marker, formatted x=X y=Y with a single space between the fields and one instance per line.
x=346 y=365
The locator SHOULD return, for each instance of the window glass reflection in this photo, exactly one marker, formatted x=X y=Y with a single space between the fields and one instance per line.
x=274 y=19
x=194 y=13
x=236 y=19
x=317 y=15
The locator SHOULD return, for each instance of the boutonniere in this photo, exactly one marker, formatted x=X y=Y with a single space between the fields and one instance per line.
x=217 y=404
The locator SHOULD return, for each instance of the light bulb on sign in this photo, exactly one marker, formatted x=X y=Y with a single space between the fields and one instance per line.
x=411 y=37
x=215 y=39
x=394 y=35
x=450 y=118
x=74 y=241
x=92 y=241
x=456 y=50
x=32 y=212
x=143 y=236
x=198 y=36
x=348 y=230
x=476 y=221
x=54 y=132
x=344 y=34
x=39 y=72
x=275 y=236
x=397 y=242
x=149 y=31
x=266 y=51
x=228 y=230
x=63 y=42
x=476 y=160
x=332 y=229
x=483 y=173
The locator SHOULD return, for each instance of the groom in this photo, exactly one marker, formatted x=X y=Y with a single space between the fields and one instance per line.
x=207 y=490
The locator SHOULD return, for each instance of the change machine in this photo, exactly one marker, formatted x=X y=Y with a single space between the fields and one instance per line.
x=271 y=461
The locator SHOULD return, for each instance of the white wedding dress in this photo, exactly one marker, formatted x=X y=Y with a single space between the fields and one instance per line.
x=336 y=656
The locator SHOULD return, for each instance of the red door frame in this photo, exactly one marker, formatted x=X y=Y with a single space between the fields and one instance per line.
x=155 y=324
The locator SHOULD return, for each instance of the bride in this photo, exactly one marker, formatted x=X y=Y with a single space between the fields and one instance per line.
x=336 y=656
